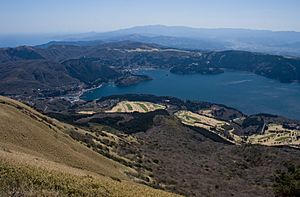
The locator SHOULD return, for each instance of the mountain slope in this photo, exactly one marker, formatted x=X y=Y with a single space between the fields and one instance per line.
x=24 y=70
x=19 y=53
x=25 y=130
x=24 y=180
x=88 y=70
x=27 y=76
x=32 y=140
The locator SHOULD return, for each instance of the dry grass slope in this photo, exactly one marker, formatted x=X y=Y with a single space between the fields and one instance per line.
x=25 y=130
x=47 y=162
x=22 y=180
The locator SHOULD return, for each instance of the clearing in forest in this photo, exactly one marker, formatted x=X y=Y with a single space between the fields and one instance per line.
x=136 y=106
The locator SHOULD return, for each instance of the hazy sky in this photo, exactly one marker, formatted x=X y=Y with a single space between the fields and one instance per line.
x=67 y=16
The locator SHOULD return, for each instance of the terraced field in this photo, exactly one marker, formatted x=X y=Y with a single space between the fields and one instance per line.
x=135 y=106
x=276 y=135
x=221 y=128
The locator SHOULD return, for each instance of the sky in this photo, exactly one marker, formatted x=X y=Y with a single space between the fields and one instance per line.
x=74 y=16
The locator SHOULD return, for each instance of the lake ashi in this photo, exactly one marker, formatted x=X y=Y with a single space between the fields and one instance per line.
x=244 y=91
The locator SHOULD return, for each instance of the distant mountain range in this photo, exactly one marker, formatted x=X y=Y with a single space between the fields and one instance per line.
x=275 y=42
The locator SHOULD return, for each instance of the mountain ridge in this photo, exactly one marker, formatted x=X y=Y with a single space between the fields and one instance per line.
x=268 y=41
x=209 y=38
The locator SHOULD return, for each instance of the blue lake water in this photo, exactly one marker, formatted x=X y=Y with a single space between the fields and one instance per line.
x=245 y=91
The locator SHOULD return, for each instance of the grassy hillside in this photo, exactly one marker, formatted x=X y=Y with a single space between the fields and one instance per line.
x=44 y=157
x=22 y=180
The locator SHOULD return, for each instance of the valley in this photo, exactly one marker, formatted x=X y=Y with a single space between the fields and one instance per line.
x=61 y=129
x=45 y=69
x=177 y=138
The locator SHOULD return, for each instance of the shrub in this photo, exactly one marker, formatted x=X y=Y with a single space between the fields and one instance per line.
x=287 y=183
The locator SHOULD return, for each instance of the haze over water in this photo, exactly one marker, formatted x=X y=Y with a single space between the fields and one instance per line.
x=244 y=91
